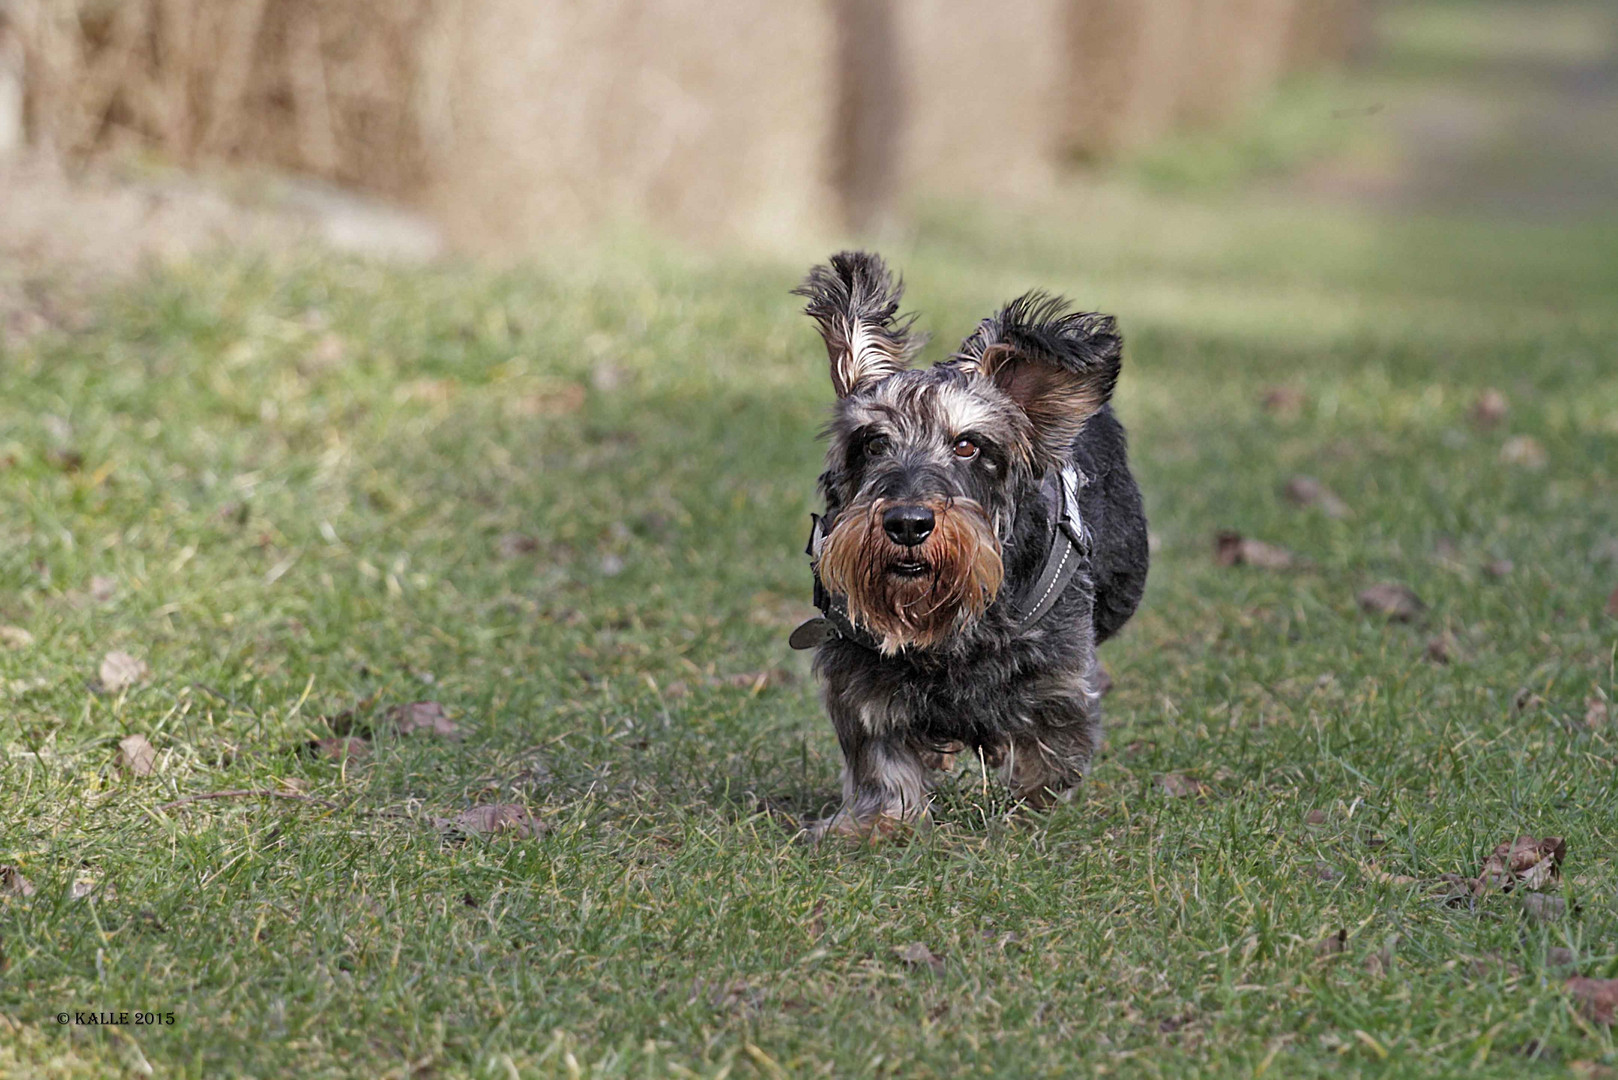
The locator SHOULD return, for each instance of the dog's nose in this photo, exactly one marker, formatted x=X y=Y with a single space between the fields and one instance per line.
x=907 y=525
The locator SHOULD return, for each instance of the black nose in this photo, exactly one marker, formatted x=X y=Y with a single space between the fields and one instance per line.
x=907 y=525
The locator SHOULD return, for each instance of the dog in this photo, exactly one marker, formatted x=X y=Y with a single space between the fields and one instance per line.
x=982 y=535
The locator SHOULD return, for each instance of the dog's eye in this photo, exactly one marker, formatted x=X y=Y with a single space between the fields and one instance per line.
x=876 y=446
x=966 y=448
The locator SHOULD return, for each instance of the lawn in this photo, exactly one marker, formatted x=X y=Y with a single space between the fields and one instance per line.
x=567 y=506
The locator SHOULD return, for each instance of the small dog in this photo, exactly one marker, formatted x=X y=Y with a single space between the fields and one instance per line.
x=982 y=536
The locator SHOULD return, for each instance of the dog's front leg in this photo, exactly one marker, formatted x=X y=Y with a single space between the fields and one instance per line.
x=884 y=779
x=1044 y=765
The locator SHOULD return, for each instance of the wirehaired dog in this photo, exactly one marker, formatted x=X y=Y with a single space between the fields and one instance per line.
x=982 y=536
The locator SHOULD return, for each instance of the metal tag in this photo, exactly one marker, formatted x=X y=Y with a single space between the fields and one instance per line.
x=816 y=631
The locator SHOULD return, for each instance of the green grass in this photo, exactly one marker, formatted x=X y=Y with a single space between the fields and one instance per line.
x=303 y=478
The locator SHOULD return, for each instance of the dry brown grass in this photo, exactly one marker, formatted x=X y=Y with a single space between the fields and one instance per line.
x=514 y=122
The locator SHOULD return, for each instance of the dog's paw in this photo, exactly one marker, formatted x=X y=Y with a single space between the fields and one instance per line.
x=871 y=830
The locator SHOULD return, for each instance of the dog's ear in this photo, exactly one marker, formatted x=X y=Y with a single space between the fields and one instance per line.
x=1059 y=366
x=855 y=301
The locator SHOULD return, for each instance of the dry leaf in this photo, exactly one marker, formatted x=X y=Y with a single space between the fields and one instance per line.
x=1558 y=956
x=85 y=888
x=1525 y=861
x=497 y=818
x=1307 y=491
x=1332 y=944
x=421 y=716
x=12 y=883
x=1542 y=907
x=15 y=637
x=1612 y=604
x=1524 y=450
x=1396 y=602
x=1597 y=714
x=1315 y=817
x=917 y=955
x=1233 y=549
x=1498 y=568
x=1597 y=997
x=136 y=756
x=103 y=588
x=554 y=400
x=1441 y=649
x=341 y=748
x=512 y=545
x=1489 y=409
x=1179 y=786
x=119 y=671
x=1284 y=401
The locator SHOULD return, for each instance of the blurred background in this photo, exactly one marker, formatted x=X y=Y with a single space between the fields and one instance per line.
x=506 y=127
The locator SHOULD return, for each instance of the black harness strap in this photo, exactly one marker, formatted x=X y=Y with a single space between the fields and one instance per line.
x=1070 y=547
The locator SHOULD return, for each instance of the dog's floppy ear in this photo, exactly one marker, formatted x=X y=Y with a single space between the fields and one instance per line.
x=856 y=302
x=1059 y=366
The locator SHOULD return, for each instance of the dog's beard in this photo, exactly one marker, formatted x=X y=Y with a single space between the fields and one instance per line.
x=960 y=573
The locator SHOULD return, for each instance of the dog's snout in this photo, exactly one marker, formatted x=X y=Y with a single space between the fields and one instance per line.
x=907 y=525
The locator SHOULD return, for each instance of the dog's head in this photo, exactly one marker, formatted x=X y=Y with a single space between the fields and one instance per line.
x=927 y=465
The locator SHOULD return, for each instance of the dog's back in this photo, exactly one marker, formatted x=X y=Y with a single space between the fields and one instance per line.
x=1111 y=507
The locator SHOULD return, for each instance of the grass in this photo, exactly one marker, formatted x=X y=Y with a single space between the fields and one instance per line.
x=568 y=504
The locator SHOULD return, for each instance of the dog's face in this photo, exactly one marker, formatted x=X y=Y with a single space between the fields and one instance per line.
x=926 y=467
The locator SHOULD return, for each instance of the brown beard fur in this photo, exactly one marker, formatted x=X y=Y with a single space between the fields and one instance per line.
x=920 y=611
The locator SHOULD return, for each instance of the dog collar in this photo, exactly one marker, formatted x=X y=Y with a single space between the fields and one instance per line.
x=1069 y=547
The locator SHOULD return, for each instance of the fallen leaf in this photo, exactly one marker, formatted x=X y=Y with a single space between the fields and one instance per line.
x=12 y=883
x=1307 y=491
x=1170 y=1024
x=1525 y=861
x=1381 y=876
x=340 y=748
x=1542 y=907
x=496 y=819
x=327 y=351
x=1498 y=568
x=1559 y=956
x=103 y=588
x=1597 y=997
x=1284 y=401
x=1332 y=944
x=917 y=955
x=69 y=461
x=1597 y=713
x=15 y=637
x=1591 y=1070
x=557 y=399
x=1612 y=604
x=1233 y=549
x=1179 y=786
x=1524 y=450
x=512 y=545
x=1395 y=602
x=119 y=671
x=1525 y=700
x=1315 y=817
x=85 y=888
x=421 y=716
x=136 y=756
x=1442 y=649
x=1489 y=409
